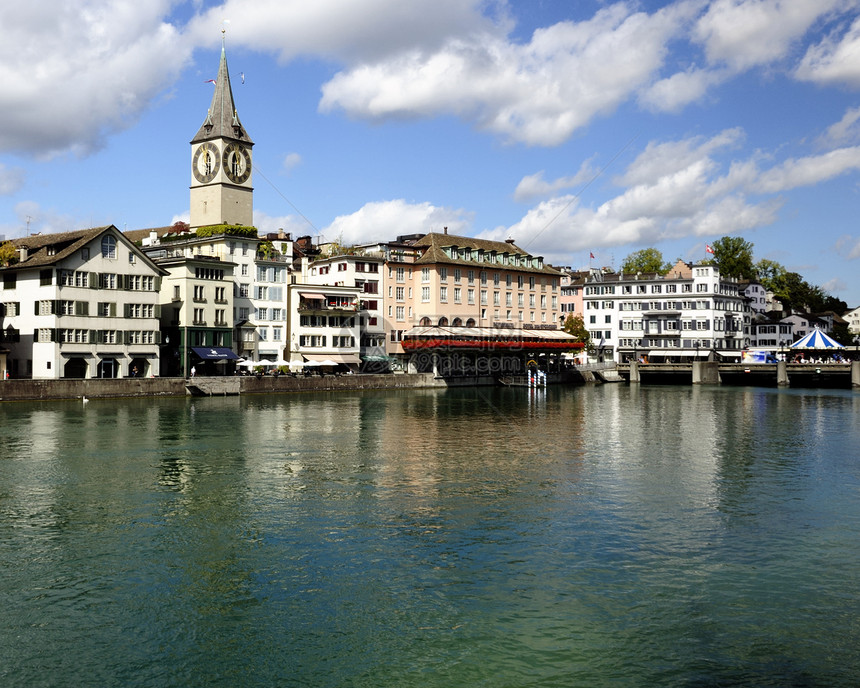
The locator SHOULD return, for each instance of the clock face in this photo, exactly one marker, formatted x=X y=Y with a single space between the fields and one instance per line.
x=206 y=163
x=237 y=163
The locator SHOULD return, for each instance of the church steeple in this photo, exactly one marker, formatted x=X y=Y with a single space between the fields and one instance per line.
x=221 y=163
x=222 y=119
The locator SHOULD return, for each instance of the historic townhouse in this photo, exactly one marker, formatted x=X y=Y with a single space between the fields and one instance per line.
x=690 y=312
x=81 y=304
x=364 y=273
x=324 y=322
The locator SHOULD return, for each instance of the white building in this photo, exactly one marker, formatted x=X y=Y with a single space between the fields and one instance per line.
x=80 y=305
x=690 y=312
x=365 y=273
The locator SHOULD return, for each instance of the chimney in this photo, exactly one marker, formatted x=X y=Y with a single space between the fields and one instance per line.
x=445 y=230
x=509 y=241
x=23 y=253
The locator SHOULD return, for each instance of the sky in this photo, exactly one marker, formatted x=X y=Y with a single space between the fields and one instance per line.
x=578 y=128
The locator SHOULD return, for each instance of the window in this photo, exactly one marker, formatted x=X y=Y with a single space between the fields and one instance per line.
x=425 y=294
x=46 y=277
x=399 y=293
x=443 y=294
x=425 y=274
x=108 y=247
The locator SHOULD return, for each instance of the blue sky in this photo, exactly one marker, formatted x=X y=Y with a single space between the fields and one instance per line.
x=577 y=128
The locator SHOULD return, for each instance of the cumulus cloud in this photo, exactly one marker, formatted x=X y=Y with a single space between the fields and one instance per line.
x=747 y=33
x=73 y=74
x=672 y=190
x=538 y=93
x=535 y=186
x=348 y=31
x=834 y=60
x=381 y=220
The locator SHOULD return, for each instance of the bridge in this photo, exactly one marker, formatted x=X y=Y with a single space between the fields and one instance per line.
x=782 y=374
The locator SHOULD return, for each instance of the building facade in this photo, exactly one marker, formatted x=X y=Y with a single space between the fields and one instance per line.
x=690 y=312
x=80 y=305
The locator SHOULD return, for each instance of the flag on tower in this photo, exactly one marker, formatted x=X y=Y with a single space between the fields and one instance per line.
x=708 y=248
x=590 y=255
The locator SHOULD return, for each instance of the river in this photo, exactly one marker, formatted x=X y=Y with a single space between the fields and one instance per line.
x=588 y=536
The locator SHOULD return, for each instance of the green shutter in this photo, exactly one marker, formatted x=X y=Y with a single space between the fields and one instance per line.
x=112 y=310
x=157 y=310
x=94 y=280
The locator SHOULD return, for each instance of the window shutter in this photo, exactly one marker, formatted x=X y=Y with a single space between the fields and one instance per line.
x=157 y=283
x=55 y=335
x=127 y=310
x=56 y=307
x=112 y=310
x=37 y=308
x=158 y=336
x=156 y=311
x=94 y=280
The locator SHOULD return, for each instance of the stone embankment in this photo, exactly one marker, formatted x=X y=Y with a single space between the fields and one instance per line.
x=98 y=388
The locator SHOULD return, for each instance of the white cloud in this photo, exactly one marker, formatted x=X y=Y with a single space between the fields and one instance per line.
x=11 y=180
x=673 y=93
x=846 y=130
x=747 y=33
x=291 y=161
x=347 y=31
x=833 y=60
x=71 y=74
x=538 y=93
x=808 y=171
x=381 y=220
x=535 y=186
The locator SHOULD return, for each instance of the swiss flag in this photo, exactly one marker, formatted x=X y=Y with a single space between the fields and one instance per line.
x=708 y=248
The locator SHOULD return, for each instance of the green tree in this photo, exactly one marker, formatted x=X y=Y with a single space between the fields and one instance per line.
x=734 y=257
x=575 y=325
x=8 y=254
x=768 y=271
x=646 y=260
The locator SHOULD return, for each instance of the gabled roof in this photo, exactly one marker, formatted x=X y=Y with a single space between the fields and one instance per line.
x=49 y=249
x=222 y=120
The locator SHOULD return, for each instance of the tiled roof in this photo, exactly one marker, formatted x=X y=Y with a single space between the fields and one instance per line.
x=435 y=243
x=63 y=244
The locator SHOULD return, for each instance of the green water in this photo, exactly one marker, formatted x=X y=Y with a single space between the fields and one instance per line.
x=593 y=536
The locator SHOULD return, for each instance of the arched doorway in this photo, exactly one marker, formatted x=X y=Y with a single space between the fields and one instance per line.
x=470 y=322
x=443 y=321
x=458 y=322
x=424 y=322
x=75 y=368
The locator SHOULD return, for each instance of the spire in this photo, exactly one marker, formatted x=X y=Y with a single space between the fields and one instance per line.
x=222 y=120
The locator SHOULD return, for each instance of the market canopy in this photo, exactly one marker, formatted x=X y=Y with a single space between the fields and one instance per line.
x=817 y=340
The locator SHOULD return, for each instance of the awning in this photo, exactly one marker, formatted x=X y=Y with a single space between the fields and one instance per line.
x=336 y=358
x=214 y=353
x=312 y=295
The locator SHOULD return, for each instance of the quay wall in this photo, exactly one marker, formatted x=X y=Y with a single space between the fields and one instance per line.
x=99 y=388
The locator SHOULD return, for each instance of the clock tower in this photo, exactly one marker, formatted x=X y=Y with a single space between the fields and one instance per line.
x=221 y=191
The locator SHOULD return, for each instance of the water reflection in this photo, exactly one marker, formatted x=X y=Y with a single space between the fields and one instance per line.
x=590 y=536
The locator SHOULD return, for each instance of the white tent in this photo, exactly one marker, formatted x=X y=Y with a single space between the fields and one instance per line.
x=817 y=340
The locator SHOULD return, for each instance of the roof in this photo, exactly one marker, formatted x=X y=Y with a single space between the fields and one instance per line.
x=435 y=243
x=222 y=120
x=63 y=245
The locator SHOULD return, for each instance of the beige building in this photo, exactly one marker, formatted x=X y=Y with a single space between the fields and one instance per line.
x=439 y=279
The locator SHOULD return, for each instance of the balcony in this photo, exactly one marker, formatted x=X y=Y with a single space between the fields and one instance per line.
x=316 y=305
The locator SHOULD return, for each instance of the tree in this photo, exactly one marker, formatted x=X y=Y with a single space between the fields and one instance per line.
x=768 y=271
x=575 y=325
x=734 y=257
x=646 y=260
x=8 y=254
